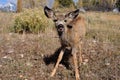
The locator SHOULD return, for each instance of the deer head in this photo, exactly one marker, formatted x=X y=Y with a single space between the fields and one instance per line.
x=62 y=22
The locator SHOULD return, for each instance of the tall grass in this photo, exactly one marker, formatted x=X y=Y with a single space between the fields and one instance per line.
x=104 y=27
x=6 y=20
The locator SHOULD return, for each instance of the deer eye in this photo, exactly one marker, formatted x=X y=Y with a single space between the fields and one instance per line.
x=55 y=20
x=65 y=20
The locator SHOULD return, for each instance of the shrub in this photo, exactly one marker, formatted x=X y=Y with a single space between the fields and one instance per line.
x=118 y=4
x=66 y=3
x=31 y=21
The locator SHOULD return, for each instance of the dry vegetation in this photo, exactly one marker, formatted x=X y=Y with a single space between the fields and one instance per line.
x=21 y=55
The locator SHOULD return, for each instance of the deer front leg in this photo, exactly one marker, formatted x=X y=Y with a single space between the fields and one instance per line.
x=75 y=64
x=58 y=61
x=80 y=53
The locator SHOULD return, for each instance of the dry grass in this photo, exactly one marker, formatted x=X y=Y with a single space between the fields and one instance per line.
x=6 y=20
x=21 y=56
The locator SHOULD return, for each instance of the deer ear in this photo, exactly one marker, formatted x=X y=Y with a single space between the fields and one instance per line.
x=49 y=12
x=73 y=14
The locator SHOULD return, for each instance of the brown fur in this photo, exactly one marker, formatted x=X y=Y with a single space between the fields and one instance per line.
x=71 y=30
x=74 y=35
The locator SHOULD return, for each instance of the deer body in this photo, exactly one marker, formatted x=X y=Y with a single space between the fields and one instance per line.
x=73 y=36
x=71 y=30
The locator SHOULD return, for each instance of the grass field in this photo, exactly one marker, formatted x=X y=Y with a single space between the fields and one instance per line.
x=21 y=55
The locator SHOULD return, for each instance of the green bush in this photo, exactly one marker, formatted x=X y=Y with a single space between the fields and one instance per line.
x=118 y=4
x=66 y=3
x=32 y=20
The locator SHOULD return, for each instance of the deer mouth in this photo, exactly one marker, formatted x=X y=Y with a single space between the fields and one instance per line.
x=60 y=29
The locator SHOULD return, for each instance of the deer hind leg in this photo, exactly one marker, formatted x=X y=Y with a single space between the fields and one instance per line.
x=75 y=64
x=80 y=53
x=58 y=61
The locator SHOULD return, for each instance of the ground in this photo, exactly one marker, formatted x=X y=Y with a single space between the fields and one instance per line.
x=22 y=55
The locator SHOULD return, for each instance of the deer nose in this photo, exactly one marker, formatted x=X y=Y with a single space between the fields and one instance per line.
x=60 y=27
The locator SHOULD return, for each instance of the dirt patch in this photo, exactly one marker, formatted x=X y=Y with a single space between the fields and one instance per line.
x=21 y=58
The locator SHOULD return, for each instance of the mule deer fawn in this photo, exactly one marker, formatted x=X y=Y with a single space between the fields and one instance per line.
x=71 y=30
